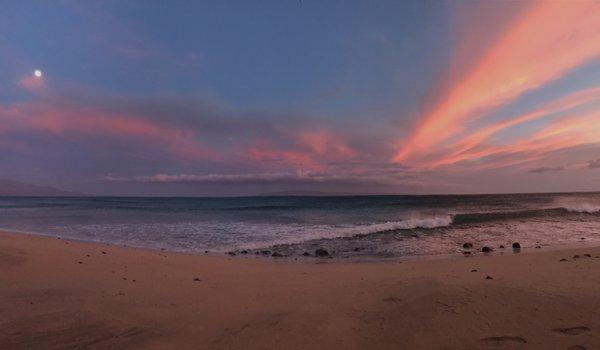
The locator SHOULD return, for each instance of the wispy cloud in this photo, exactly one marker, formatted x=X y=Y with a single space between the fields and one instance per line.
x=476 y=143
x=594 y=164
x=285 y=177
x=545 y=169
x=518 y=62
x=191 y=131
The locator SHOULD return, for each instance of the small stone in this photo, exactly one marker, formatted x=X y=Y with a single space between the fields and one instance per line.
x=244 y=252
x=487 y=249
x=321 y=252
x=266 y=252
x=306 y=254
x=489 y=278
x=467 y=245
x=474 y=270
x=501 y=246
x=276 y=255
x=563 y=259
x=103 y=252
x=87 y=255
x=538 y=247
x=197 y=279
x=587 y=255
x=231 y=253
x=467 y=253
x=80 y=262
x=516 y=245
x=576 y=256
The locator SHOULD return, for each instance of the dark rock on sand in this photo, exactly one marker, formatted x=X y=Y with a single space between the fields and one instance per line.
x=501 y=246
x=489 y=278
x=516 y=245
x=474 y=270
x=573 y=330
x=487 y=249
x=576 y=257
x=587 y=255
x=266 y=252
x=244 y=252
x=538 y=247
x=276 y=255
x=197 y=279
x=103 y=252
x=563 y=259
x=467 y=245
x=306 y=254
x=321 y=252
x=467 y=253
x=231 y=253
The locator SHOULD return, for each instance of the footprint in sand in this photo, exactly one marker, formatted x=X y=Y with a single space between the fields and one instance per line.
x=572 y=330
x=503 y=340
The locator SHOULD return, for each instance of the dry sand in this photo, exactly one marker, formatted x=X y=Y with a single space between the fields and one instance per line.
x=57 y=294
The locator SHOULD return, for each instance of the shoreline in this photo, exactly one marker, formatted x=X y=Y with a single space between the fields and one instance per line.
x=56 y=293
x=507 y=251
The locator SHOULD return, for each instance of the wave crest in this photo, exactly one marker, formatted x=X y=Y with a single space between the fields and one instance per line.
x=582 y=208
x=407 y=224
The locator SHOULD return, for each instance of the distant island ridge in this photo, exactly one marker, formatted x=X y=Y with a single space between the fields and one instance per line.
x=9 y=188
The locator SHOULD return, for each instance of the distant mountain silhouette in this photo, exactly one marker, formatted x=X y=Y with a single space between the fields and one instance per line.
x=15 y=188
x=306 y=193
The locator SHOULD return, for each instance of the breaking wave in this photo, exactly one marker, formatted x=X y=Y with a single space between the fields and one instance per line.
x=473 y=218
x=583 y=208
x=406 y=224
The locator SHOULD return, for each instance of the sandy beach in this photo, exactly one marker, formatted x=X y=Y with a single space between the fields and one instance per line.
x=58 y=294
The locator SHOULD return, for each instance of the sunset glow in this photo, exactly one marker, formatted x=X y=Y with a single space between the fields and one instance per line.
x=422 y=103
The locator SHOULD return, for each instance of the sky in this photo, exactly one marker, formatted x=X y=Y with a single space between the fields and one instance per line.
x=222 y=98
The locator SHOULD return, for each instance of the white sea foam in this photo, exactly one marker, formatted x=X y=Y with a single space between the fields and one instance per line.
x=582 y=208
x=406 y=224
x=234 y=235
x=292 y=234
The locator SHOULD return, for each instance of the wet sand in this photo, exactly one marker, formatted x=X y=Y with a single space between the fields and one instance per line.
x=57 y=294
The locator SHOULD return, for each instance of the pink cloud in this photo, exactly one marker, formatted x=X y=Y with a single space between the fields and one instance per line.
x=542 y=44
x=63 y=118
x=471 y=146
x=31 y=83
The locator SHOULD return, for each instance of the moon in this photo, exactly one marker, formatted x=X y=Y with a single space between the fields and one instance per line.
x=37 y=73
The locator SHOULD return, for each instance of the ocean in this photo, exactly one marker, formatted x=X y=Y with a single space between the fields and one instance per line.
x=346 y=226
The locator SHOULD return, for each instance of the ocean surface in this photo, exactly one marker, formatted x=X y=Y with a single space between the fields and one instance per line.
x=349 y=226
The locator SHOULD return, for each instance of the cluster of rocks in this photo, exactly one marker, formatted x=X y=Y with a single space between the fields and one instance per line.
x=319 y=253
x=486 y=249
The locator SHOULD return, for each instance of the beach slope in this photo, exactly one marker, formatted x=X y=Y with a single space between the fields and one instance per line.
x=57 y=294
